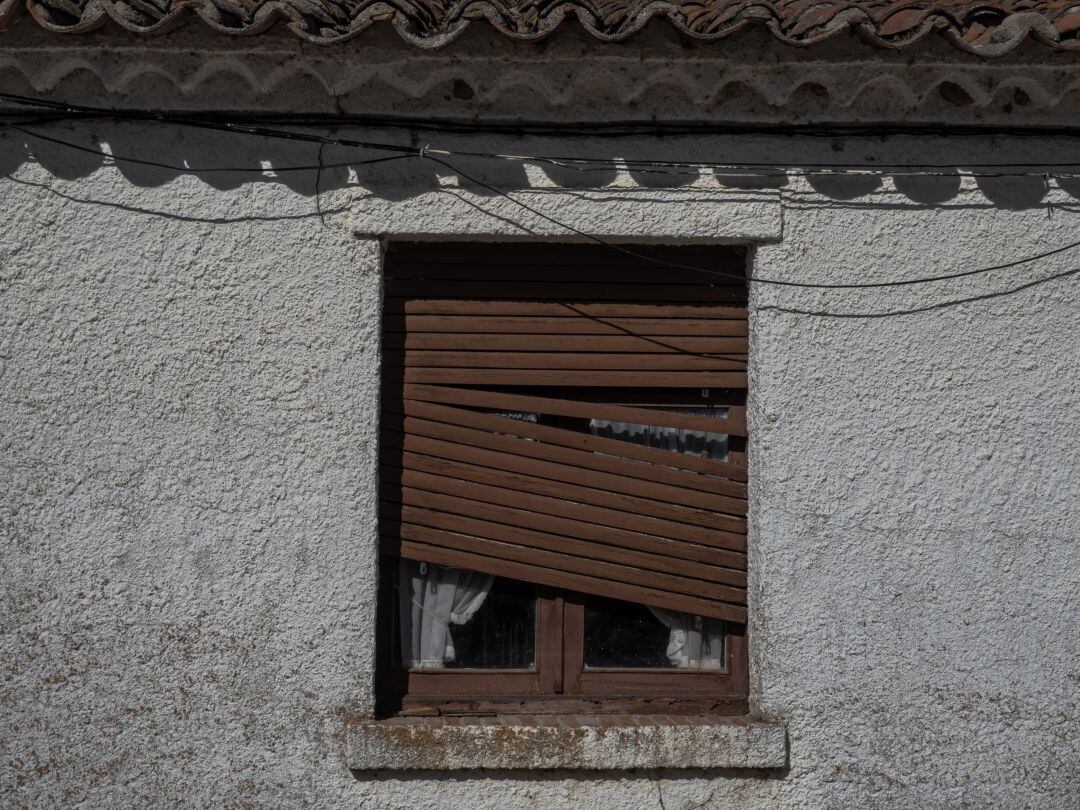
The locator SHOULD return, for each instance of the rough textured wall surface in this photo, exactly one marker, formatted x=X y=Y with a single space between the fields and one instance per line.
x=188 y=399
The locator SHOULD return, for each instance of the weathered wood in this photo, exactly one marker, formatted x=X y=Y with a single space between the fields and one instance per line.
x=635 y=345
x=544 y=461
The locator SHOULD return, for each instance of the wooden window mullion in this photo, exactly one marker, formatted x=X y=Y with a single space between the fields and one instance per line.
x=573 y=645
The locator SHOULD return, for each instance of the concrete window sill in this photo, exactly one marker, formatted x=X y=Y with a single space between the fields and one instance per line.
x=573 y=743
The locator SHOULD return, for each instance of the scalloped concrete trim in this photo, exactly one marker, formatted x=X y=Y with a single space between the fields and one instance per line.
x=753 y=80
x=576 y=743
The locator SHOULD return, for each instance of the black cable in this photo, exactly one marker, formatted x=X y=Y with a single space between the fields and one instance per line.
x=825 y=129
x=925 y=308
x=769 y=281
x=414 y=151
x=582 y=234
x=208 y=170
x=227 y=125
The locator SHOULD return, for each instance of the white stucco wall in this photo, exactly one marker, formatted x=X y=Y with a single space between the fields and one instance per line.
x=188 y=400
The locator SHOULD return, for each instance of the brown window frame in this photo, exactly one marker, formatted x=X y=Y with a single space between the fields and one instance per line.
x=559 y=682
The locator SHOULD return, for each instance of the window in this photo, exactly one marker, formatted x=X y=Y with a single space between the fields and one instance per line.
x=563 y=480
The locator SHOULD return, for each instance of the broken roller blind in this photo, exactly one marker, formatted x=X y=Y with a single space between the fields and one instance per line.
x=566 y=415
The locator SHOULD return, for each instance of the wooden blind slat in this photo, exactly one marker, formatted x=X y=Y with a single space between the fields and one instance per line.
x=666 y=361
x=691 y=345
x=547 y=501
x=617 y=492
x=558 y=503
x=732 y=328
x=556 y=524
x=506 y=566
x=429 y=490
x=725 y=567
x=633 y=575
x=622 y=379
x=606 y=309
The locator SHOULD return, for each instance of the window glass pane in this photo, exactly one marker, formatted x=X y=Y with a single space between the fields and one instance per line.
x=450 y=618
x=626 y=635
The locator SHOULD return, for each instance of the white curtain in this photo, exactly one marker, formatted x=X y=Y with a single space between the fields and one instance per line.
x=678 y=440
x=433 y=597
x=694 y=642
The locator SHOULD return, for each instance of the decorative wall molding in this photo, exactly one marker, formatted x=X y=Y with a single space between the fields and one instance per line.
x=567 y=79
x=978 y=26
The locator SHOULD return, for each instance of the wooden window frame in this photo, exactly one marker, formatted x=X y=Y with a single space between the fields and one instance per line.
x=559 y=683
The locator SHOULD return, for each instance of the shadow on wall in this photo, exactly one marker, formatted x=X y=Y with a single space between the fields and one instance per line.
x=162 y=153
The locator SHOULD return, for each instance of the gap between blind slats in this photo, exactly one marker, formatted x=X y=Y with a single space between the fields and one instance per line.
x=577 y=449
x=733 y=424
x=535 y=460
x=584 y=292
x=643 y=258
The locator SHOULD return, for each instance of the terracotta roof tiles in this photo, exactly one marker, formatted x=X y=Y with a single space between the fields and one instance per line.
x=986 y=27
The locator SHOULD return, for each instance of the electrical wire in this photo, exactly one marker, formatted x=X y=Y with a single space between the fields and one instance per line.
x=437 y=157
x=204 y=170
x=825 y=129
x=755 y=280
x=569 y=162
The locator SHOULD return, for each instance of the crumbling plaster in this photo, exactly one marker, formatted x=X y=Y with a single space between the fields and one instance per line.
x=189 y=398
